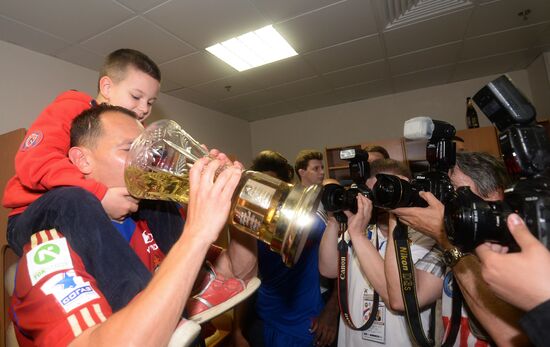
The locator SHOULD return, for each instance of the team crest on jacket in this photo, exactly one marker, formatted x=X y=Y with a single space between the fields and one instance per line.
x=32 y=140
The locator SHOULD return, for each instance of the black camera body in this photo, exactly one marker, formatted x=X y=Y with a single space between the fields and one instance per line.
x=440 y=154
x=526 y=151
x=336 y=198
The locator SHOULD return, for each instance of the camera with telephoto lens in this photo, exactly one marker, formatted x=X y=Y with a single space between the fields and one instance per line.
x=389 y=192
x=440 y=154
x=525 y=148
x=336 y=198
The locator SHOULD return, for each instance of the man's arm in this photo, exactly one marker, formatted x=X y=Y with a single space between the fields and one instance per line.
x=372 y=264
x=153 y=315
x=498 y=318
x=428 y=286
x=328 y=249
x=240 y=258
x=325 y=326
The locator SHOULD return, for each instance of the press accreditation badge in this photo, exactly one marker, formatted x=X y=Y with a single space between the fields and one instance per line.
x=377 y=331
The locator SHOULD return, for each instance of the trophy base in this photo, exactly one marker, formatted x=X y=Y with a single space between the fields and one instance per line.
x=295 y=222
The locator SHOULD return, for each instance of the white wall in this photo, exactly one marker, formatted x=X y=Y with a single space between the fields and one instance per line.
x=539 y=80
x=31 y=80
x=371 y=119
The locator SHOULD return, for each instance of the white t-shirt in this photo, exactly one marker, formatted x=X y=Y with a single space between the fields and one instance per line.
x=389 y=329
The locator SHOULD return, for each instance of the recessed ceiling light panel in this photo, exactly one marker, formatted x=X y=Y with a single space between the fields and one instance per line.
x=253 y=49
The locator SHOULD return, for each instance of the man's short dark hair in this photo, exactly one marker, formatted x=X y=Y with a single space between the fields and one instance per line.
x=303 y=158
x=273 y=161
x=488 y=173
x=390 y=166
x=86 y=127
x=116 y=64
x=377 y=149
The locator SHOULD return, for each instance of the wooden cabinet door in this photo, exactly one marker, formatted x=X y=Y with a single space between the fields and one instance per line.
x=480 y=140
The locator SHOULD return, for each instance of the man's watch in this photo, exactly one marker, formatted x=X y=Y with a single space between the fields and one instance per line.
x=451 y=256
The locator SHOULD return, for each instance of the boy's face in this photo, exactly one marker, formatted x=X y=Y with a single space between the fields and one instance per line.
x=111 y=149
x=137 y=91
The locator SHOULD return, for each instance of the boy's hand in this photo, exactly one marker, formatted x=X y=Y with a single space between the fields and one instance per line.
x=118 y=203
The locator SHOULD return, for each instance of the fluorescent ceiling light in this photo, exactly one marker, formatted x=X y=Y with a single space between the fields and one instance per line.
x=252 y=49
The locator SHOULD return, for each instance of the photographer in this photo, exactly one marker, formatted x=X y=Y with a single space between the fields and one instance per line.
x=521 y=278
x=486 y=177
x=367 y=248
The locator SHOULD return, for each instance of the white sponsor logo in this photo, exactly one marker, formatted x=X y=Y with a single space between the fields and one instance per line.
x=70 y=290
x=147 y=236
x=47 y=258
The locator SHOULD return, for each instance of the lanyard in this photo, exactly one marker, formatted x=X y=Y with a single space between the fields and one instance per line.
x=408 y=291
x=343 y=286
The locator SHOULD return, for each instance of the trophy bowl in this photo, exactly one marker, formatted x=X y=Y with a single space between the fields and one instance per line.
x=270 y=210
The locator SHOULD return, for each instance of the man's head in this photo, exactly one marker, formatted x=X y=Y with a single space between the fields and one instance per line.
x=390 y=167
x=376 y=152
x=484 y=174
x=309 y=167
x=100 y=140
x=130 y=79
x=273 y=164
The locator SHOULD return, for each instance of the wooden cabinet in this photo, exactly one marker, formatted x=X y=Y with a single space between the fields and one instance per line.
x=413 y=152
x=480 y=140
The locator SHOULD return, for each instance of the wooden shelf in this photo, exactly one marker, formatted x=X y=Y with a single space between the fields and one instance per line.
x=483 y=139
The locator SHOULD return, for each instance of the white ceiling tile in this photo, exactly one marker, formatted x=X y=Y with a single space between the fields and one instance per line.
x=140 y=5
x=193 y=96
x=205 y=22
x=284 y=9
x=351 y=53
x=272 y=110
x=195 y=69
x=422 y=79
x=283 y=71
x=70 y=20
x=543 y=38
x=316 y=100
x=426 y=58
x=142 y=35
x=343 y=21
x=488 y=65
x=364 y=91
x=429 y=33
x=217 y=89
x=167 y=85
x=29 y=37
x=357 y=74
x=295 y=89
x=501 y=42
x=81 y=56
x=249 y=100
x=501 y=15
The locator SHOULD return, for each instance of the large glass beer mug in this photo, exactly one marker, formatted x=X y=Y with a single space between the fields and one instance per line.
x=264 y=207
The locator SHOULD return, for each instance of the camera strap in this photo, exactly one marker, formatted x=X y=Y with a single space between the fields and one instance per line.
x=408 y=291
x=343 y=288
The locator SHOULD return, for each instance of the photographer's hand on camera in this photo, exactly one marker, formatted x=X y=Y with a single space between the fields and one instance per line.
x=369 y=257
x=519 y=278
x=428 y=220
x=357 y=223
